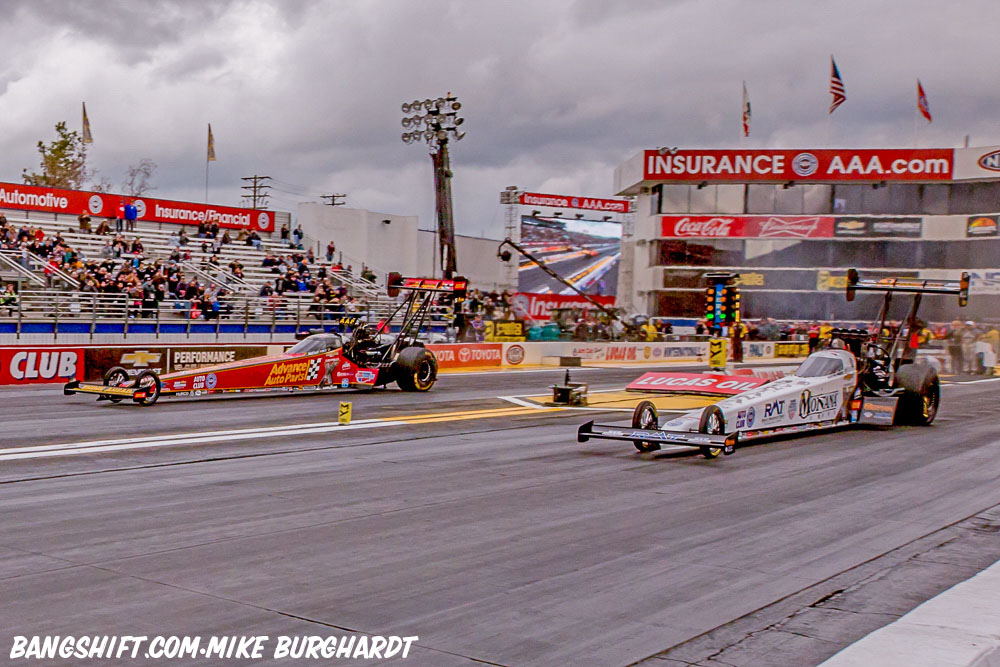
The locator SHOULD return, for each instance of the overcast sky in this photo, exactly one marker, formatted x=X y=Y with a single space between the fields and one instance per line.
x=556 y=93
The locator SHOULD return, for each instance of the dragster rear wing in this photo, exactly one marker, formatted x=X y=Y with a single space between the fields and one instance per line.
x=909 y=285
x=396 y=283
x=684 y=438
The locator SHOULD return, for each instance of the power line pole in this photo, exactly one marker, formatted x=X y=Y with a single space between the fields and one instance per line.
x=333 y=199
x=257 y=190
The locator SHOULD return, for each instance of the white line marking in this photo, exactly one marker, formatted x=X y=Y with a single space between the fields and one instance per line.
x=72 y=449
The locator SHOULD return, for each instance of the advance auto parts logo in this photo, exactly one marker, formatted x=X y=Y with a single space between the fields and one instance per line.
x=287 y=373
x=809 y=404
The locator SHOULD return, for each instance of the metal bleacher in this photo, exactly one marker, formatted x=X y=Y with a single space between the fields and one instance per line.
x=155 y=238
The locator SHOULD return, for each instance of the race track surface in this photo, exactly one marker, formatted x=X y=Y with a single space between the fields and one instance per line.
x=473 y=522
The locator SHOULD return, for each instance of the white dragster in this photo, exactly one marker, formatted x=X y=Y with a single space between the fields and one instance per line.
x=820 y=394
x=863 y=378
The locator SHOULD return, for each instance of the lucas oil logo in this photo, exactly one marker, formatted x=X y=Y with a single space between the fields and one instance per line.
x=809 y=404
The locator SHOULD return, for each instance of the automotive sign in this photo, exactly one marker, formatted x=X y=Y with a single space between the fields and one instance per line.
x=566 y=201
x=868 y=227
x=933 y=164
x=54 y=200
x=696 y=383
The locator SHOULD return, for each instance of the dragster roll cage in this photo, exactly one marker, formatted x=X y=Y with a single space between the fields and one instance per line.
x=909 y=285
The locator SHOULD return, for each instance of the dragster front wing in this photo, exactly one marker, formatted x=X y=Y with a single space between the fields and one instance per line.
x=684 y=438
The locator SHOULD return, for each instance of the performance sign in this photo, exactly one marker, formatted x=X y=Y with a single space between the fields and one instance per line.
x=741 y=166
x=566 y=201
x=74 y=202
x=696 y=383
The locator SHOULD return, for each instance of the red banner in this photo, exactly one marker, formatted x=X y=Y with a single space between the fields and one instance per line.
x=747 y=226
x=74 y=202
x=467 y=355
x=566 y=201
x=741 y=166
x=696 y=383
x=527 y=305
x=35 y=365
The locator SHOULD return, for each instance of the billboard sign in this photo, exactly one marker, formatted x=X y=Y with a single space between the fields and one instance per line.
x=38 y=365
x=878 y=227
x=74 y=202
x=539 y=306
x=584 y=252
x=982 y=225
x=819 y=165
x=567 y=201
x=746 y=226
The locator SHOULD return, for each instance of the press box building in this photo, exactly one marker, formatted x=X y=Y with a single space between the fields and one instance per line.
x=792 y=221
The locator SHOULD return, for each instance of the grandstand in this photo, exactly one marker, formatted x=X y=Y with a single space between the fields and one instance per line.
x=47 y=293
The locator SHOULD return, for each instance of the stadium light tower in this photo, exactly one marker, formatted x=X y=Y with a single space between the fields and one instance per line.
x=436 y=122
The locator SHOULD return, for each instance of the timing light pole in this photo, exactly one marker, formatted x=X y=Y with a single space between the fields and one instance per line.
x=440 y=122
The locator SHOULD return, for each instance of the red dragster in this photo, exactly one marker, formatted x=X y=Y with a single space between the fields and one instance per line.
x=321 y=361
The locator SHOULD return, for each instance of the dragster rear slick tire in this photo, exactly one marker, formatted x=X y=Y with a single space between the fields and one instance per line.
x=918 y=405
x=149 y=381
x=115 y=376
x=712 y=422
x=416 y=369
x=644 y=416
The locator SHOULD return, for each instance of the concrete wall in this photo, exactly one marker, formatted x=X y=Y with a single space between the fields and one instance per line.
x=364 y=238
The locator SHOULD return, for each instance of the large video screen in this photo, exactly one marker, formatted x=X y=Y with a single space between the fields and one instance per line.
x=584 y=252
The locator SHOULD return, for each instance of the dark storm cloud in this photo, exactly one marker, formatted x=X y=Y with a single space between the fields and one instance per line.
x=556 y=93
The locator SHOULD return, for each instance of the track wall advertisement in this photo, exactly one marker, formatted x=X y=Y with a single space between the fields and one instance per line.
x=98 y=204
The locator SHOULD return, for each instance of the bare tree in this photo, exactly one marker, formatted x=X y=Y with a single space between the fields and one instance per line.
x=137 y=178
x=101 y=183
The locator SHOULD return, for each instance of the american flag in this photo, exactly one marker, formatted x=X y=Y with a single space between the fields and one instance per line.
x=925 y=109
x=746 y=111
x=836 y=86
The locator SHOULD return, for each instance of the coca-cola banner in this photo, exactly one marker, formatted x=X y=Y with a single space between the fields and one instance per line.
x=569 y=201
x=98 y=204
x=933 y=164
x=538 y=306
x=747 y=226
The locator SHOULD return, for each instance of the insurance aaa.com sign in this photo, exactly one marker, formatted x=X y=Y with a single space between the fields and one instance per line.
x=99 y=204
x=934 y=164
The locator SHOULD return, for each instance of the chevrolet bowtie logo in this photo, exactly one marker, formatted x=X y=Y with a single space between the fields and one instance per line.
x=141 y=358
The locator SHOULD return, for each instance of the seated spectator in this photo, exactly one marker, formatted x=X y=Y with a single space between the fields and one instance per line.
x=183 y=238
x=174 y=241
x=226 y=239
x=8 y=298
x=104 y=227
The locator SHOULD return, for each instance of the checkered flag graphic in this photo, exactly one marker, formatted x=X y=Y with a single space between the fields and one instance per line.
x=314 y=366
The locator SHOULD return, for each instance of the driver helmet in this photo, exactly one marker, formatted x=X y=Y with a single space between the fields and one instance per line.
x=838 y=344
x=363 y=332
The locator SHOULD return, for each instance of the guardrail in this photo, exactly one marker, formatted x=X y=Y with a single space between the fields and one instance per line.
x=55 y=313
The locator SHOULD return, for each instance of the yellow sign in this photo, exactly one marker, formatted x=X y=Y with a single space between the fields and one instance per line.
x=717 y=353
x=791 y=349
x=755 y=279
x=827 y=282
x=287 y=373
x=503 y=331
x=344 y=415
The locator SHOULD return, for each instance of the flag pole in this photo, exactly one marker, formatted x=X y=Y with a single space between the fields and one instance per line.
x=916 y=117
x=206 y=179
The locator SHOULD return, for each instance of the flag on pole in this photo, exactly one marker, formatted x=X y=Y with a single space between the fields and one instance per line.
x=746 y=111
x=211 y=145
x=87 y=138
x=925 y=109
x=836 y=86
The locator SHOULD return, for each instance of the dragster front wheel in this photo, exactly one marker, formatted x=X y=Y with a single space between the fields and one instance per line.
x=712 y=422
x=644 y=416
x=150 y=383
x=116 y=376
